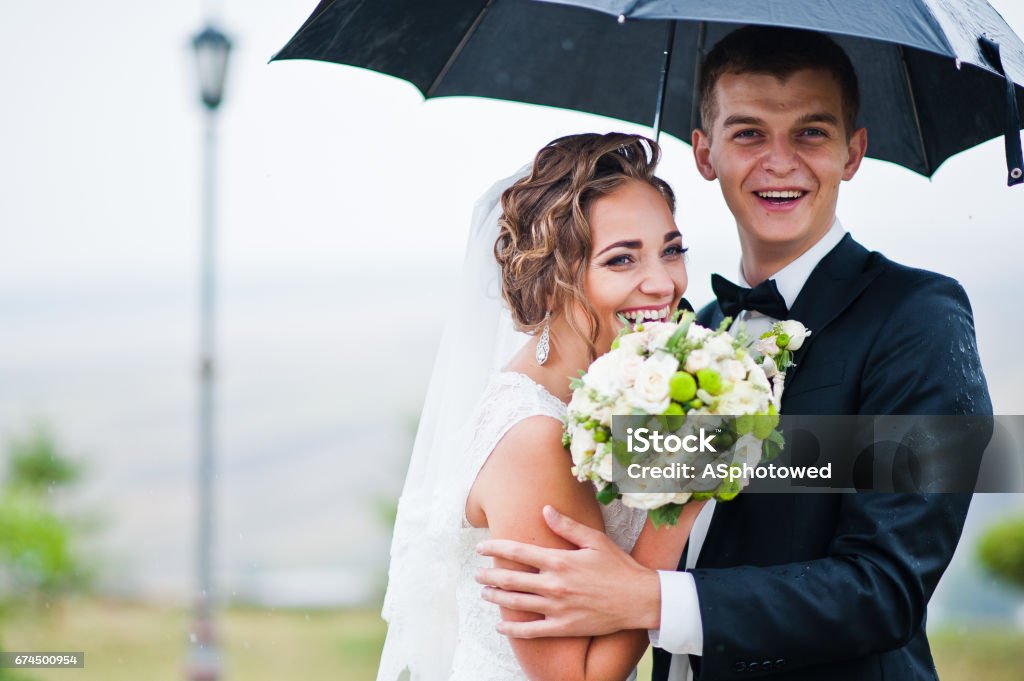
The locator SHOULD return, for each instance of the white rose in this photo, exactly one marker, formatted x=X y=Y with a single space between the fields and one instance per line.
x=659 y=333
x=646 y=500
x=767 y=346
x=796 y=331
x=733 y=371
x=620 y=407
x=696 y=332
x=720 y=346
x=650 y=390
x=603 y=375
x=582 y=443
x=581 y=403
x=697 y=360
x=602 y=413
x=632 y=343
x=744 y=398
x=604 y=466
x=627 y=368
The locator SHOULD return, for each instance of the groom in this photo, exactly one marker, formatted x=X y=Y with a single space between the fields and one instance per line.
x=789 y=586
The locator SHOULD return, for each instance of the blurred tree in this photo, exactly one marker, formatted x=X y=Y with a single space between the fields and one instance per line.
x=37 y=556
x=35 y=464
x=1001 y=550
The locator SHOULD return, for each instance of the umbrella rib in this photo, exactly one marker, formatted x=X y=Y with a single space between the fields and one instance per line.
x=913 y=108
x=628 y=10
x=458 y=49
x=663 y=80
x=698 y=59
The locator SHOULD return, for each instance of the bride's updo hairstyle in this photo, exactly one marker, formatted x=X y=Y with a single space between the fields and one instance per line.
x=544 y=242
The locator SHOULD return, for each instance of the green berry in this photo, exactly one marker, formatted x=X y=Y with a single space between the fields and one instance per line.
x=723 y=440
x=682 y=387
x=762 y=427
x=675 y=409
x=710 y=381
x=744 y=424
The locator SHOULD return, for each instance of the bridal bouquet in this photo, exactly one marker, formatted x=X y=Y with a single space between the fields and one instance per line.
x=680 y=369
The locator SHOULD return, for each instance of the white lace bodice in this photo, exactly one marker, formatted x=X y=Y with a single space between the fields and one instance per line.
x=481 y=653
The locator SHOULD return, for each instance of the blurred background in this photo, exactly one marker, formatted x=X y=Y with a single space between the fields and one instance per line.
x=343 y=207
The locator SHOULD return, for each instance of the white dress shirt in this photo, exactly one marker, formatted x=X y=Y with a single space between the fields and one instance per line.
x=681 y=631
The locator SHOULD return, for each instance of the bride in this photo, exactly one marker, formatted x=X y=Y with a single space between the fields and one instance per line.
x=585 y=238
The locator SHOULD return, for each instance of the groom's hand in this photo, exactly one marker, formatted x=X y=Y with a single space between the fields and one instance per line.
x=590 y=591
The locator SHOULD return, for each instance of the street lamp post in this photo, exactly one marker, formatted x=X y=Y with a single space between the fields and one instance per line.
x=212 y=49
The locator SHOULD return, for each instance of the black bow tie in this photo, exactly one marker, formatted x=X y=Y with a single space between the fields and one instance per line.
x=764 y=298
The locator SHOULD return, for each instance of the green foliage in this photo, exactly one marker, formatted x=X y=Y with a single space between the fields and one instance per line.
x=34 y=543
x=15 y=675
x=608 y=493
x=665 y=515
x=37 y=542
x=1001 y=550
x=36 y=464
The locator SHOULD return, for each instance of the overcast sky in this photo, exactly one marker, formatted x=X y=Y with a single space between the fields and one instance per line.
x=345 y=201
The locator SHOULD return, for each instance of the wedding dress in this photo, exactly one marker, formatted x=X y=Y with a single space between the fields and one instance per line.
x=439 y=628
x=481 y=653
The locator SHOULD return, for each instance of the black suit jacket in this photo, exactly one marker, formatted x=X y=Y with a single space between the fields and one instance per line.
x=835 y=586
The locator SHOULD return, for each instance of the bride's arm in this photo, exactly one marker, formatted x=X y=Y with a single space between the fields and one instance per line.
x=528 y=469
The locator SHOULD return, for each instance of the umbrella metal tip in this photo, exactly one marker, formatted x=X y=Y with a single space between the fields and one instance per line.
x=622 y=18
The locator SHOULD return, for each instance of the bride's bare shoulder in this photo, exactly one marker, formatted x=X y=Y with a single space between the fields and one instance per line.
x=527 y=469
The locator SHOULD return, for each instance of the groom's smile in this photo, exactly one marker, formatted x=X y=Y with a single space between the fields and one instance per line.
x=779 y=149
x=780 y=199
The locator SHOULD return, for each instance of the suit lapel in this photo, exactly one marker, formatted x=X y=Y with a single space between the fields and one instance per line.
x=833 y=285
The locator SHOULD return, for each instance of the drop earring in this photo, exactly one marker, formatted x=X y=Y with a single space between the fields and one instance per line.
x=544 y=342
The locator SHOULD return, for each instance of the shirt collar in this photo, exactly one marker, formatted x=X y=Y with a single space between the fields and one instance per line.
x=791 y=278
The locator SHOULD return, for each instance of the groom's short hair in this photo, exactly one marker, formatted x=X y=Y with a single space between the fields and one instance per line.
x=779 y=52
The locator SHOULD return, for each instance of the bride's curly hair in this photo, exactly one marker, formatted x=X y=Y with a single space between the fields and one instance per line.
x=544 y=241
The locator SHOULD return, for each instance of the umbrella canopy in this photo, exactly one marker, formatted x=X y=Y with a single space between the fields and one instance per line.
x=936 y=76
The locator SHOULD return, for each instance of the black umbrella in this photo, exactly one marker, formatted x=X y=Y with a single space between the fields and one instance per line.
x=937 y=76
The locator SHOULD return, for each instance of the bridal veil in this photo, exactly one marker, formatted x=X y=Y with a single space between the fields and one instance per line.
x=478 y=339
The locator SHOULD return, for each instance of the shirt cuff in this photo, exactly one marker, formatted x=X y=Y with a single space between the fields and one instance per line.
x=681 y=631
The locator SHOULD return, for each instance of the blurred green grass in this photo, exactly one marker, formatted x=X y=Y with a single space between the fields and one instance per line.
x=131 y=641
